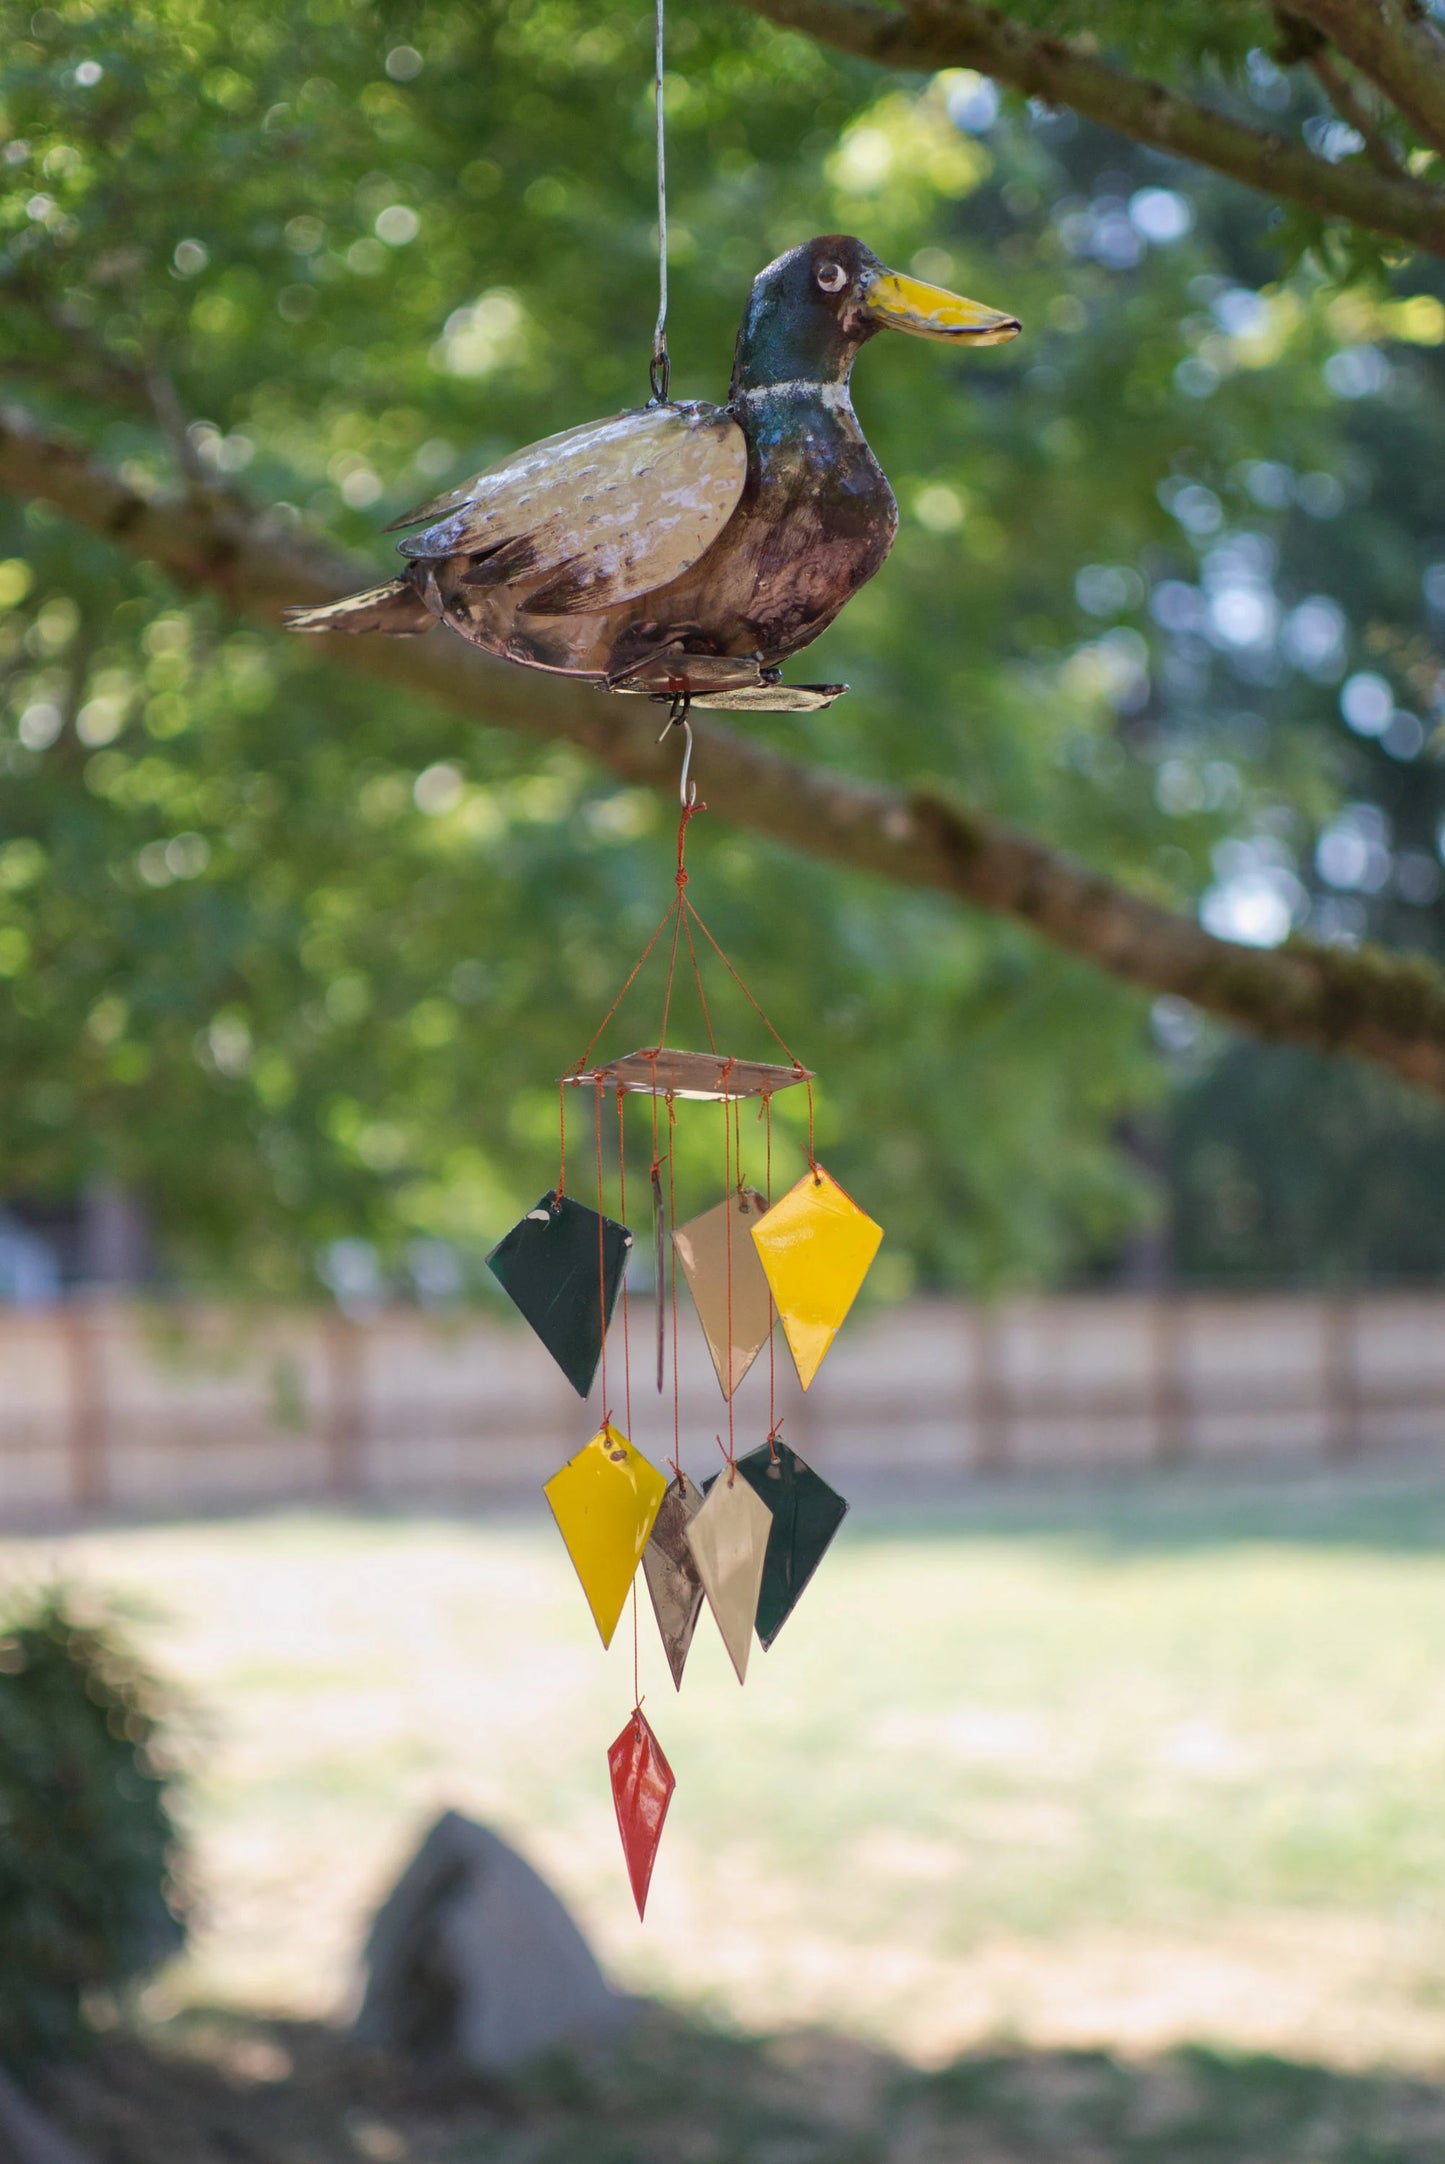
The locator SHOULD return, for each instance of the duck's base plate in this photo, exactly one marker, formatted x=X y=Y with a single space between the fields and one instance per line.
x=765 y=699
x=663 y=1072
x=720 y=684
x=746 y=698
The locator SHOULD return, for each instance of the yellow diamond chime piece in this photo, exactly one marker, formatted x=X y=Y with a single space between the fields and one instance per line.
x=815 y=1246
x=728 y=1286
x=605 y=1501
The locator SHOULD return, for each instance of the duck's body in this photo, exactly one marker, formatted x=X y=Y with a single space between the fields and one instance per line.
x=684 y=549
x=814 y=520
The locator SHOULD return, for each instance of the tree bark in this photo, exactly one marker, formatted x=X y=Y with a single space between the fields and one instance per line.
x=929 y=34
x=1388 y=1009
x=1396 y=45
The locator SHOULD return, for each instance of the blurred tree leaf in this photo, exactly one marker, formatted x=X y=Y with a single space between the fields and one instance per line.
x=296 y=958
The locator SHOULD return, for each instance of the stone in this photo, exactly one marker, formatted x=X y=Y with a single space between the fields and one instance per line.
x=27 y=2137
x=472 y=1961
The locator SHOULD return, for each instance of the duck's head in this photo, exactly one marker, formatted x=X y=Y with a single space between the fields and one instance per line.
x=810 y=311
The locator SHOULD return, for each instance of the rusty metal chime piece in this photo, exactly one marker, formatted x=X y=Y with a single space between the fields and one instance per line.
x=670 y=1568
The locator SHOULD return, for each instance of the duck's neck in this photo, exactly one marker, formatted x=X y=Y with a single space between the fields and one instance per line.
x=832 y=397
x=779 y=349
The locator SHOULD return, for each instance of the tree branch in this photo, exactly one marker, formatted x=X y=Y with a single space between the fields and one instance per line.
x=1396 y=45
x=928 y=34
x=1353 y=110
x=1384 y=1008
x=1304 y=42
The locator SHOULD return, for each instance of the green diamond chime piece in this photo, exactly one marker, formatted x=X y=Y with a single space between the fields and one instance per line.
x=806 y=1513
x=562 y=1265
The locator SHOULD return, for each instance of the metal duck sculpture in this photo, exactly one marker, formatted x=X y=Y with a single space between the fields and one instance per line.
x=683 y=551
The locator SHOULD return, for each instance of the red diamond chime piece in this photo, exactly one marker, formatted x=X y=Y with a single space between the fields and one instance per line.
x=642 y=1786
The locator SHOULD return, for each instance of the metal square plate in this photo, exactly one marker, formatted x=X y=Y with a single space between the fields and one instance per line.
x=660 y=1071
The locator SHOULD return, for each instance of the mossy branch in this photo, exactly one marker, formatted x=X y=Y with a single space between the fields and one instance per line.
x=928 y=34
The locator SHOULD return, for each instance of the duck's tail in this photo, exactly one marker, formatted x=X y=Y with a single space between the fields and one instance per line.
x=396 y=608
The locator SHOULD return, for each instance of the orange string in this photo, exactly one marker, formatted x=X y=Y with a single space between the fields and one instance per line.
x=672 y=1275
x=636 y=1685
x=602 y=1261
x=632 y=974
x=622 y=1207
x=689 y=811
x=737 y=980
x=701 y=994
x=671 y=970
x=728 y=1221
x=772 y=1316
x=655 y=1181
x=683 y=916
x=674 y=910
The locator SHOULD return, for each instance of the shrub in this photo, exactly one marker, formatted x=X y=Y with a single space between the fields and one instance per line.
x=88 y=1845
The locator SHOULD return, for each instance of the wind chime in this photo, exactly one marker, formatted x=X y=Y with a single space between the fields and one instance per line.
x=748 y=1540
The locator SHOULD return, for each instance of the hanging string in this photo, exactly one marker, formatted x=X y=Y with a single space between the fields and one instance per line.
x=671 y=968
x=772 y=1313
x=636 y=1683
x=632 y=975
x=660 y=372
x=672 y=1276
x=654 y=1176
x=602 y=1262
x=737 y=980
x=701 y=994
x=682 y=915
x=728 y=1222
x=622 y=1212
x=561 y=1140
x=696 y=919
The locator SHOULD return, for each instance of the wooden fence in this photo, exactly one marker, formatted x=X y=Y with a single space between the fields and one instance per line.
x=106 y=1407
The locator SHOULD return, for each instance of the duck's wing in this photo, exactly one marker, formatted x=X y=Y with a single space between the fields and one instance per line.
x=597 y=515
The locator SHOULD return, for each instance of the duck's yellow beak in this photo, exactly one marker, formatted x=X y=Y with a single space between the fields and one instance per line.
x=907 y=304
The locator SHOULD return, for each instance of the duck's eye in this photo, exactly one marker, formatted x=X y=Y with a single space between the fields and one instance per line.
x=831 y=277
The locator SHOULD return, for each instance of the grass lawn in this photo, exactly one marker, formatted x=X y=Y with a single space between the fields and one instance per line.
x=1153 y=1770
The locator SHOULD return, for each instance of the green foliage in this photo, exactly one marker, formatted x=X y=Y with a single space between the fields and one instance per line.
x=1288 y=1166
x=296 y=959
x=88 y=1841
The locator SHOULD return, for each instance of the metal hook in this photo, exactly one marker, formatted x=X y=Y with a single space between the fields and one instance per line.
x=677 y=719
